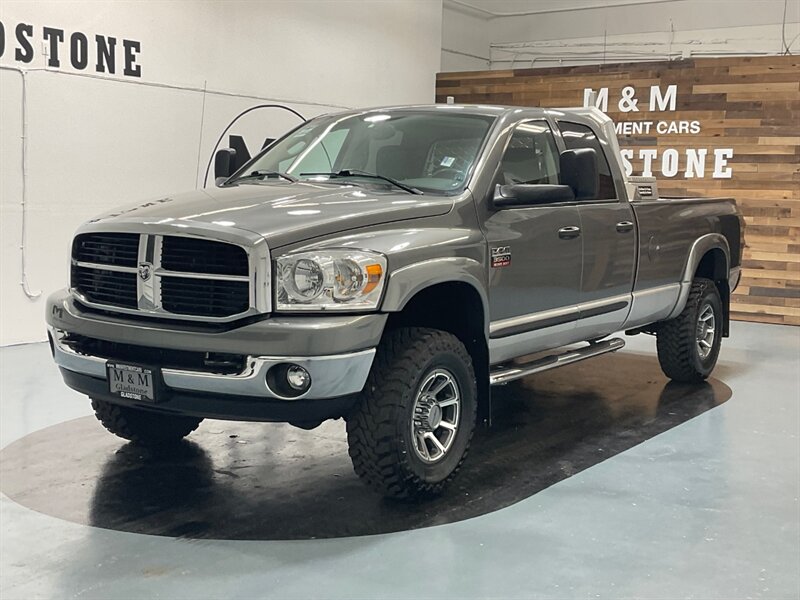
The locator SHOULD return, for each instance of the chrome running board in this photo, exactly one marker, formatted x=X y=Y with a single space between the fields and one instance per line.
x=505 y=373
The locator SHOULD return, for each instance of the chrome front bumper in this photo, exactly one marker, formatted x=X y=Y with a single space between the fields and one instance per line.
x=331 y=376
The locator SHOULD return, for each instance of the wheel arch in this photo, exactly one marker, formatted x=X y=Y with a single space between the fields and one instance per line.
x=453 y=304
x=709 y=257
x=406 y=282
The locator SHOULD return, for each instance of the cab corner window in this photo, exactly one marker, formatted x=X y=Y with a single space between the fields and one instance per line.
x=578 y=136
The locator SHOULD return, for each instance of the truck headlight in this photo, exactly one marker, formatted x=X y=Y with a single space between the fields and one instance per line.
x=329 y=280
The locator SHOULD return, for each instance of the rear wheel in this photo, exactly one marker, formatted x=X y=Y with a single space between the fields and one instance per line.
x=410 y=432
x=688 y=345
x=143 y=427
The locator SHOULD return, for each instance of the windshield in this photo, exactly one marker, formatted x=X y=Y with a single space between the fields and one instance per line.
x=426 y=151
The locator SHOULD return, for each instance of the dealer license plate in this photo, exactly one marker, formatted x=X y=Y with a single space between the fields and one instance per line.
x=131 y=382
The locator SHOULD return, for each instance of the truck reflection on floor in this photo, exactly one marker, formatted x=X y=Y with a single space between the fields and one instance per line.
x=233 y=480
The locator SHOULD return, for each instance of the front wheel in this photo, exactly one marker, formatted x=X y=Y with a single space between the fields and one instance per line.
x=410 y=431
x=688 y=345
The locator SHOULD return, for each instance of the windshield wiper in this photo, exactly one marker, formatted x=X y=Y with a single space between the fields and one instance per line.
x=359 y=173
x=267 y=175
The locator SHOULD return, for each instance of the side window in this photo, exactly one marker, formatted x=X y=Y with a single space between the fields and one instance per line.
x=531 y=156
x=580 y=136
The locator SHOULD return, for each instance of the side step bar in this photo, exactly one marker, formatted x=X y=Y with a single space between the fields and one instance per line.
x=504 y=374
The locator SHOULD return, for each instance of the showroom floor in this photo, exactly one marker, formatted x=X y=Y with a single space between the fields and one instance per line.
x=598 y=480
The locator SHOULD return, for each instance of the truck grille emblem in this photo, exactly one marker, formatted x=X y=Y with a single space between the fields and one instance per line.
x=145 y=271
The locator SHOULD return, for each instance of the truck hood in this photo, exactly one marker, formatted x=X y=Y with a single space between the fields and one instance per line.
x=283 y=213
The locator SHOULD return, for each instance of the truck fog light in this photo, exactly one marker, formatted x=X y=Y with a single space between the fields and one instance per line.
x=288 y=380
x=298 y=378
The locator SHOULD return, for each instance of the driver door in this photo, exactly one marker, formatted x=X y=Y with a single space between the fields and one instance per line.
x=535 y=253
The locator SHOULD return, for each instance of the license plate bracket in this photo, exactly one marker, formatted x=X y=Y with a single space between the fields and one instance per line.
x=138 y=383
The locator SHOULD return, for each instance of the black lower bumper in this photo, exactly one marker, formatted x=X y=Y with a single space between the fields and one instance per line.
x=217 y=406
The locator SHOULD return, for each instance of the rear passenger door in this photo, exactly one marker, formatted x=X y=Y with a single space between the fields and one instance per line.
x=609 y=242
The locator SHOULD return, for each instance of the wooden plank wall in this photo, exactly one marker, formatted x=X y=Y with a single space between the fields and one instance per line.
x=748 y=104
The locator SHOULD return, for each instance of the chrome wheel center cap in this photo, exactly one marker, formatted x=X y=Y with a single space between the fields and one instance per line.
x=434 y=417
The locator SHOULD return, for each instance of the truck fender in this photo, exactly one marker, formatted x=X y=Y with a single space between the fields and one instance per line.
x=703 y=244
x=407 y=281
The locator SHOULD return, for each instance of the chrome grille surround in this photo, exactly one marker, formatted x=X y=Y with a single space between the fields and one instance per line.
x=148 y=289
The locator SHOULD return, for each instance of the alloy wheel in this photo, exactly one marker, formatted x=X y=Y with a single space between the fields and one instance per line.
x=437 y=408
x=706 y=331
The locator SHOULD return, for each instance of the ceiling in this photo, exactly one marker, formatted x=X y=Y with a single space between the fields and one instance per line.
x=503 y=7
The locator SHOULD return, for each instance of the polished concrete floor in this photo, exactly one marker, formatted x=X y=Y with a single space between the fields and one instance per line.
x=600 y=480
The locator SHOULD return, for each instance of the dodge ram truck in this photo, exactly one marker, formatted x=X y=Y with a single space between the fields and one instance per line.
x=388 y=267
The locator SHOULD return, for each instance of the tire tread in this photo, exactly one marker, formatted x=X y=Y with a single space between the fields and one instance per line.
x=675 y=340
x=141 y=427
x=375 y=451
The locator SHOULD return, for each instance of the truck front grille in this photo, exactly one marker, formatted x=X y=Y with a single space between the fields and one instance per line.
x=163 y=276
x=120 y=249
x=215 y=298
x=113 y=288
x=191 y=255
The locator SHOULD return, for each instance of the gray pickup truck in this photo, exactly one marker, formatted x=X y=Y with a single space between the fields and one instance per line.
x=388 y=267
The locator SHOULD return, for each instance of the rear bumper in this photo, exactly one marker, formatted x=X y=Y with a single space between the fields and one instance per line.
x=734 y=277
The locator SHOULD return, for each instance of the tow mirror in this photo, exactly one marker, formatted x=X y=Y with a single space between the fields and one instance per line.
x=579 y=172
x=224 y=164
x=524 y=194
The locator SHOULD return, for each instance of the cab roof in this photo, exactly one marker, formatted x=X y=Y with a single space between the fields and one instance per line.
x=481 y=109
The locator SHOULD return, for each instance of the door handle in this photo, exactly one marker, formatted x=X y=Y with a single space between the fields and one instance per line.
x=624 y=226
x=570 y=232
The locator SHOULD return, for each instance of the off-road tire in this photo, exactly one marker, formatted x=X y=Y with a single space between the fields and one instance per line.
x=143 y=427
x=677 y=338
x=379 y=427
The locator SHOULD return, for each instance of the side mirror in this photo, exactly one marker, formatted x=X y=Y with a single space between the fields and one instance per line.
x=224 y=164
x=579 y=172
x=530 y=195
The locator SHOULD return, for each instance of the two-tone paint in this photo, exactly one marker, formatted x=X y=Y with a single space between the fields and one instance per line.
x=576 y=271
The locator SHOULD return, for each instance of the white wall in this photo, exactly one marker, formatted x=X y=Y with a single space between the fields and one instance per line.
x=568 y=32
x=98 y=141
x=465 y=40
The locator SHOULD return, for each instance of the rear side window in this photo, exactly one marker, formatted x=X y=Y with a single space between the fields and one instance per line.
x=578 y=136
